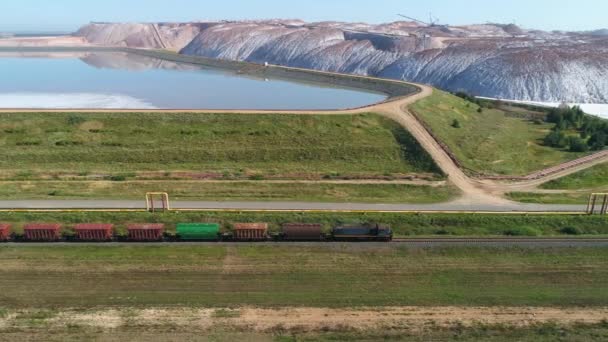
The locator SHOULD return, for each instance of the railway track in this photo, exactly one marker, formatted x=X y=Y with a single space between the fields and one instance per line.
x=498 y=239
x=406 y=242
x=504 y=242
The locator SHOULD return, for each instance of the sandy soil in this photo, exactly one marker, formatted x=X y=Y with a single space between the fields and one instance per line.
x=314 y=319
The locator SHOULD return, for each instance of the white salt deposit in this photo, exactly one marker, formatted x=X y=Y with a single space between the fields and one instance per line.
x=597 y=109
x=71 y=100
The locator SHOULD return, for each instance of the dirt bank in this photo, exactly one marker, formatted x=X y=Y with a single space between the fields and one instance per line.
x=306 y=319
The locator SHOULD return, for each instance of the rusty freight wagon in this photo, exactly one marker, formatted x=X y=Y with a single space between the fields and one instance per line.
x=250 y=231
x=302 y=232
x=42 y=232
x=5 y=231
x=146 y=231
x=94 y=232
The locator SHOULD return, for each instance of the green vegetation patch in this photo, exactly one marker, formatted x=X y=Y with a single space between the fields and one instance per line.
x=557 y=198
x=226 y=191
x=234 y=144
x=545 y=332
x=403 y=224
x=595 y=177
x=333 y=276
x=592 y=131
x=490 y=140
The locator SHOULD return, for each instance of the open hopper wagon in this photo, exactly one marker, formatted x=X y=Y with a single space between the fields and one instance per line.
x=146 y=231
x=250 y=231
x=42 y=232
x=97 y=232
x=5 y=231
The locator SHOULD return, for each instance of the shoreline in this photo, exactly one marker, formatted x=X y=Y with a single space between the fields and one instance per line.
x=390 y=89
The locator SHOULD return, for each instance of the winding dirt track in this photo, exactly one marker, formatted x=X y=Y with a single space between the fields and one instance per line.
x=474 y=191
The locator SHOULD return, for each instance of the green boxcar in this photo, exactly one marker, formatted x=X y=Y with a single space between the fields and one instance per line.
x=198 y=231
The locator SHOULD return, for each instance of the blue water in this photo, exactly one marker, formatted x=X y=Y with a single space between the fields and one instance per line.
x=118 y=80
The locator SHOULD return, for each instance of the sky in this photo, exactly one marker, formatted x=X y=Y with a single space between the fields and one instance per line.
x=69 y=15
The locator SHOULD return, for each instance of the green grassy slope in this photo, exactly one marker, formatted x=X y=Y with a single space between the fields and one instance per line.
x=229 y=145
x=582 y=184
x=592 y=178
x=491 y=141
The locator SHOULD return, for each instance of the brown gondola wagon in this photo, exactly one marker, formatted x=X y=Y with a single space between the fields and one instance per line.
x=97 y=232
x=5 y=231
x=146 y=231
x=250 y=231
x=42 y=232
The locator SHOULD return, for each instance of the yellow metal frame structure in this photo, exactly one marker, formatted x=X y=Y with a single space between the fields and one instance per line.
x=593 y=202
x=150 y=198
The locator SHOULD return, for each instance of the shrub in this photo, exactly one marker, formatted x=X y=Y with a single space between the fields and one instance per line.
x=111 y=144
x=520 y=231
x=456 y=123
x=570 y=231
x=577 y=145
x=74 y=120
x=556 y=139
x=68 y=143
x=597 y=141
x=29 y=143
x=117 y=178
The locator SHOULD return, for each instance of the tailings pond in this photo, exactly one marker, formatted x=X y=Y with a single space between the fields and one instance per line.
x=119 y=80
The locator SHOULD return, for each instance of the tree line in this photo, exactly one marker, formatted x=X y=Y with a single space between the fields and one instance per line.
x=592 y=132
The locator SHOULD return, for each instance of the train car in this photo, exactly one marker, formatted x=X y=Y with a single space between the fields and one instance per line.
x=302 y=232
x=5 y=232
x=94 y=232
x=145 y=232
x=250 y=231
x=198 y=232
x=43 y=232
x=373 y=232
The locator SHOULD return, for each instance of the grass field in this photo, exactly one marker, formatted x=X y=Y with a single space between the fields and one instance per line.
x=270 y=276
x=490 y=142
x=582 y=184
x=227 y=191
x=542 y=198
x=403 y=224
x=593 y=178
x=34 y=146
x=549 y=332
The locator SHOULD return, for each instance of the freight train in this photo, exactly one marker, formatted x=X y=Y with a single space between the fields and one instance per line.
x=155 y=232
